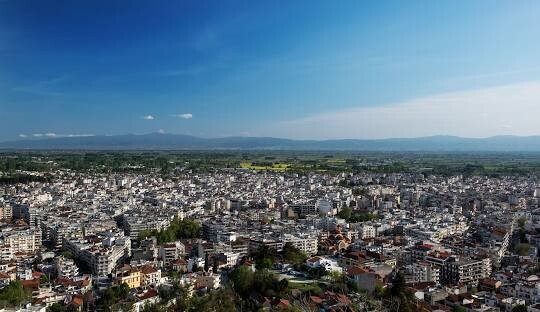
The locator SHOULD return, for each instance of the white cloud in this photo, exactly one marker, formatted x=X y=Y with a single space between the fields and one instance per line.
x=148 y=117
x=71 y=135
x=183 y=116
x=502 y=110
x=161 y=131
x=56 y=135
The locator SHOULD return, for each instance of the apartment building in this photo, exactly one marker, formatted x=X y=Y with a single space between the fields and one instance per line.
x=466 y=270
x=171 y=251
x=65 y=267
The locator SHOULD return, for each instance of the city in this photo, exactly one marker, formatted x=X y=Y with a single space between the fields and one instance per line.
x=269 y=156
x=267 y=239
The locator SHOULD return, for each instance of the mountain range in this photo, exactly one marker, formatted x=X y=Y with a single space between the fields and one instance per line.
x=159 y=141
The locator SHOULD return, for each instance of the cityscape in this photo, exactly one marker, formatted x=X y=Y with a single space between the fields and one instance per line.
x=238 y=156
x=148 y=232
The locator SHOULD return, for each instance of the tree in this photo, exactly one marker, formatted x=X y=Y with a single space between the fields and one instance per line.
x=206 y=263
x=177 y=229
x=459 y=309
x=317 y=272
x=13 y=294
x=519 y=308
x=144 y=234
x=267 y=283
x=264 y=263
x=293 y=254
x=265 y=252
x=264 y=257
x=44 y=279
x=522 y=236
x=522 y=249
x=359 y=191
x=113 y=296
x=263 y=281
x=167 y=293
x=153 y=308
x=400 y=298
x=242 y=280
x=67 y=254
x=336 y=277
x=57 y=307
x=345 y=213
x=292 y=308
x=219 y=300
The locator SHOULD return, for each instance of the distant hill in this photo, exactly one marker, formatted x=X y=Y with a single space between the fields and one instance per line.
x=158 y=141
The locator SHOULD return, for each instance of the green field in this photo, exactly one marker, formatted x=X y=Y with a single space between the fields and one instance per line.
x=273 y=167
x=14 y=164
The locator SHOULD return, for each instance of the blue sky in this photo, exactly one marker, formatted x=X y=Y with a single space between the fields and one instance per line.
x=298 y=69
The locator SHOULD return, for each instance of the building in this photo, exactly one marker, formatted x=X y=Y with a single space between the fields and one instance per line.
x=150 y=275
x=65 y=267
x=171 y=251
x=128 y=275
x=425 y=272
x=305 y=243
x=466 y=270
x=102 y=254
x=6 y=212
x=19 y=239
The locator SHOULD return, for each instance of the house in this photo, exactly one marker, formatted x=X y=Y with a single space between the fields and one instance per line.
x=128 y=275
x=363 y=278
x=150 y=275
x=328 y=264
x=207 y=280
x=489 y=284
x=355 y=258
x=146 y=297
x=180 y=265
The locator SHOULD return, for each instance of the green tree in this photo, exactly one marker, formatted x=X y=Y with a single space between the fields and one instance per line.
x=57 y=307
x=519 y=308
x=219 y=300
x=44 y=279
x=345 y=213
x=264 y=252
x=522 y=249
x=242 y=280
x=13 y=294
x=178 y=229
x=144 y=234
x=400 y=298
x=67 y=254
x=359 y=191
x=114 y=298
x=206 y=263
x=153 y=308
x=264 y=263
x=263 y=281
x=168 y=293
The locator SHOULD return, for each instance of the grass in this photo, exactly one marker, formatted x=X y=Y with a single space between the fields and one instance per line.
x=306 y=287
